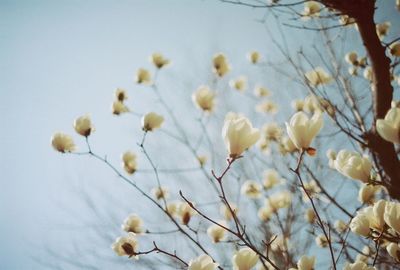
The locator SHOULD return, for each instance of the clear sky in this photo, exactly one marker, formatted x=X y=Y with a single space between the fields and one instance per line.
x=61 y=59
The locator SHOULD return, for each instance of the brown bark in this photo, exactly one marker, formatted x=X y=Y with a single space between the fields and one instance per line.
x=363 y=12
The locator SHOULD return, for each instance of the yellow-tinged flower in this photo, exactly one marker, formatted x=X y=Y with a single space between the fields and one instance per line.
x=306 y=263
x=358 y=266
x=62 y=142
x=251 y=189
x=367 y=193
x=244 y=259
x=220 y=65
x=239 y=135
x=265 y=213
x=120 y=94
x=119 y=107
x=368 y=73
x=204 y=98
x=311 y=9
x=129 y=162
x=310 y=215
x=340 y=226
x=298 y=104
x=318 y=76
x=239 y=83
x=267 y=106
x=261 y=91
x=254 y=57
x=133 y=223
x=351 y=58
x=279 y=200
x=389 y=128
x=346 y=20
x=321 y=241
x=394 y=251
x=185 y=211
x=158 y=60
x=288 y=145
x=382 y=29
x=152 y=121
x=272 y=131
x=271 y=178
x=395 y=49
x=226 y=212
x=392 y=215
x=126 y=246
x=202 y=160
x=360 y=224
x=312 y=104
x=143 y=76
x=203 y=262
x=216 y=232
x=172 y=208
x=353 y=165
x=302 y=130
x=83 y=125
x=160 y=193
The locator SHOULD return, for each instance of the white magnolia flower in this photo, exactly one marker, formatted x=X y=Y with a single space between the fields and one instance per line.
x=62 y=142
x=272 y=131
x=152 y=121
x=143 y=76
x=318 y=76
x=368 y=73
x=159 y=60
x=279 y=200
x=298 y=104
x=394 y=251
x=288 y=145
x=389 y=128
x=340 y=226
x=203 y=262
x=260 y=91
x=251 y=189
x=83 y=125
x=321 y=241
x=254 y=57
x=363 y=257
x=358 y=266
x=271 y=178
x=346 y=20
x=306 y=263
x=265 y=213
x=351 y=58
x=302 y=130
x=204 y=98
x=267 y=106
x=353 y=165
x=244 y=259
x=312 y=104
x=172 y=208
x=360 y=224
x=395 y=49
x=239 y=83
x=310 y=215
x=392 y=215
x=367 y=193
x=133 y=223
x=220 y=65
x=216 y=232
x=186 y=212
x=239 y=135
x=126 y=246
x=382 y=29
x=129 y=162
x=119 y=107
x=160 y=193
x=311 y=9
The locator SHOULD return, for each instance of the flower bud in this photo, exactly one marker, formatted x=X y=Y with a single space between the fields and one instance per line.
x=220 y=65
x=353 y=165
x=203 y=262
x=143 y=76
x=158 y=60
x=254 y=57
x=133 y=223
x=216 y=232
x=83 y=125
x=129 y=162
x=151 y=121
x=62 y=142
x=389 y=128
x=244 y=259
x=204 y=98
x=126 y=246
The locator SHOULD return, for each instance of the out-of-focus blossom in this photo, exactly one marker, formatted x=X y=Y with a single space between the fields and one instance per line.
x=119 y=107
x=216 y=232
x=226 y=212
x=120 y=94
x=311 y=9
x=251 y=189
x=394 y=251
x=310 y=215
x=306 y=263
x=261 y=91
x=62 y=142
x=367 y=193
x=392 y=215
x=271 y=178
x=358 y=266
x=239 y=83
x=279 y=200
x=368 y=73
x=186 y=212
x=298 y=104
x=129 y=162
x=321 y=241
x=265 y=213
x=220 y=65
x=158 y=60
x=340 y=226
x=143 y=76
x=389 y=128
x=395 y=49
x=202 y=160
x=203 y=262
x=204 y=98
x=133 y=223
x=254 y=57
x=152 y=121
x=83 y=125
x=244 y=259
x=160 y=193
x=267 y=106
x=239 y=135
x=382 y=29
x=318 y=77
x=272 y=131
x=351 y=58
x=126 y=246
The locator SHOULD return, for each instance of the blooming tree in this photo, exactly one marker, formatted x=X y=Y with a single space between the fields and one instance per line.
x=272 y=195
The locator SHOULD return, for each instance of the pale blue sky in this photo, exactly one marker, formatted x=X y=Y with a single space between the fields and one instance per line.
x=62 y=59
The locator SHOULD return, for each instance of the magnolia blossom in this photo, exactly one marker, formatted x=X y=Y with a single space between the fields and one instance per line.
x=172 y=208
x=265 y=213
x=185 y=211
x=367 y=193
x=158 y=60
x=83 y=125
x=346 y=20
x=216 y=232
x=280 y=243
x=288 y=145
x=279 y=200
x=62 y=142
x=129 y=162
x=126 y=246
x=392 y=215
x=120 y=94
x=306 y=263
x=310 y=215
x=272 y=131
x=363 y=257
x=203 y=262
x=244 y=259
x=133 y=223
x=382 y=29
x=160 y=193
x=298 y=104
x=271 y=178
x=239 y=135
x=251 y=189
x=311 y=9
x=202 y=160
x=353 y=165
x=260 y=91
x=226 y=212
x=395 y=49
x=152 y=121
x=358 y=266
x=353 y=71
x=220 y=65
x=360 y=225
x=204 y=98
x=312 y=104
x=267 y=106
x=394 y=251
x=389 y=128
x=368 y=73
x=340 y=226
x=302 y=130
x=254 y=57
x=119 y=107
x=312 y=189
x=321 y=241
x=318 y=76
x=351 y=58
x=239 y=84
x=143 y=76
